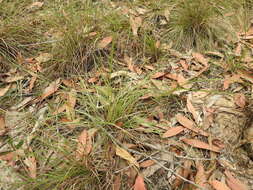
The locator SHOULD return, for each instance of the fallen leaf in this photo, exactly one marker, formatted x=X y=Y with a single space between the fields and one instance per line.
x=105 y=42
x=201 y=178
x=217 y=185
x=234 y=183
x=135 y=23
x=131 y=66
x=30 y=162
x=200 y=144
x=139 y=183
x=189 y=125
x=8 y=157
x=191 y=109
x=32 y=82
x=200 y=58
x=246 y=75
x=240 y=100
x=147 y=163
x=158 y=75
x=117 y=183
x=126 y=155
x=2 y=126
x=230 y=80
x=4 y=90
x=84 y=145
x=93 y=80
x=183 y=63
x=173 y=131
x=51 y=89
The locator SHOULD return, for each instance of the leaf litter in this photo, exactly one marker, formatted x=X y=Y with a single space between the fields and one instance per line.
x=198 y=130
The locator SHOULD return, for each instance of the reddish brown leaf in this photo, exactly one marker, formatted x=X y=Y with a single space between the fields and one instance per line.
x=51 y=89
x=184 y=64
x=93 y=80
x=202 y=145
x=173 y=131
x=229 y=80
x=234 y=183
x=105 y=42
x=200 y=58
x=217 y=185
x=147 y=163
x=240 y=100
x=84 y=145
x=139 y=183
x=158 y=75
x=7 y=157
x=246 y=75
x=189 y=124
x=192 y=110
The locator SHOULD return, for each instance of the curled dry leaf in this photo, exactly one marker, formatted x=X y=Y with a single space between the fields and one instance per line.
x=189 y=124
x=202 y=145
x=240 y=100
x=234 y=183
x=173 y=131
x=147 y=163
x=126 y=155
x=84 y=145
x=51 y=89
x=139 y=183
x=217 y=185
x=105 y=42
x=4 y=90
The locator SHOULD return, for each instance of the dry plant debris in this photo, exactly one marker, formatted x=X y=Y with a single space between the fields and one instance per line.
x=94 y=95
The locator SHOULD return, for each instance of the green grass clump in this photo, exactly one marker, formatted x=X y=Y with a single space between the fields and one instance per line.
x=197 y=24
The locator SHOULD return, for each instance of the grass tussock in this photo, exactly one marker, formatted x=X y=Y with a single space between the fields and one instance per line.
x=197 y=24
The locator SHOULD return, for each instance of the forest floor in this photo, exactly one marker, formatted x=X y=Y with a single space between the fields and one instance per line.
x=93 y=95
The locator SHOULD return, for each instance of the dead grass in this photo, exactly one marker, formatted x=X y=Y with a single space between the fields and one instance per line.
x=113 y=107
